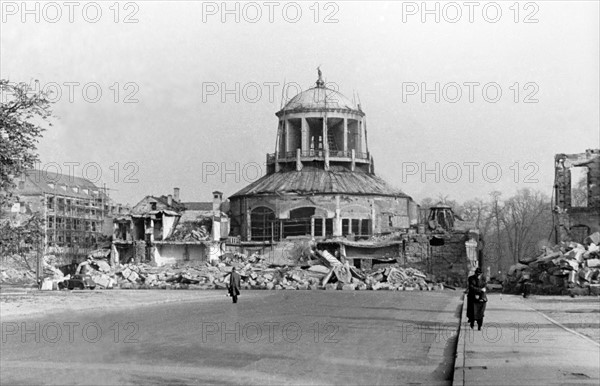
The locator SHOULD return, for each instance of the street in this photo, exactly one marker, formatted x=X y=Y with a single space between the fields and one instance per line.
x=269 y=337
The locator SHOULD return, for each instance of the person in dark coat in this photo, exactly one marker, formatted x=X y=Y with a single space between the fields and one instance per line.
x=234 y=284
x=476 y=299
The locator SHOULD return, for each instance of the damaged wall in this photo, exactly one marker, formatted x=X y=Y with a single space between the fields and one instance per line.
x=576 y=217
x=447 y=263
x=386 y=214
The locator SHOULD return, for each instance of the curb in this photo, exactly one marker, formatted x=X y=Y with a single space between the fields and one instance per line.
x=460 y=357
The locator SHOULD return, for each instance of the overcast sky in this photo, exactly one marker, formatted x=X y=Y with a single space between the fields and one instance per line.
x=174 y=61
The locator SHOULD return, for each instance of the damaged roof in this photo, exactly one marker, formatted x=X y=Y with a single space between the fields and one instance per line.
x=311 y=180
x=46 y=181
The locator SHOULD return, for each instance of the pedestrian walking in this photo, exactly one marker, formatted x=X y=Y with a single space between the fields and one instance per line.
x=476 y=298
x=234 y=285
x=524 y=281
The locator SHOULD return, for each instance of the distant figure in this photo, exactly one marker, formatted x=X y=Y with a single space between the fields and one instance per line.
x=476 y=299
x=524 y=281
x=234 y=285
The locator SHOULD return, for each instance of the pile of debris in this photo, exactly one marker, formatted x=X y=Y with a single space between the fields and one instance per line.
x=198 y=230
x=322 y=272
x=565 y=269
x=17 y=270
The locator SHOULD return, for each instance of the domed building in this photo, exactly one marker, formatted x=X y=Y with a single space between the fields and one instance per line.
x=320 y=180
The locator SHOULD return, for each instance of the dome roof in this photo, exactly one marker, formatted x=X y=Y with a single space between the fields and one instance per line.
x=319 y=98
x=310 y=181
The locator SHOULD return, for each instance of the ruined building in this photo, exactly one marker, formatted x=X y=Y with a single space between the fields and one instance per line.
x=320 y=180
x=576 y=195
x=77 y=214
x=164 y=230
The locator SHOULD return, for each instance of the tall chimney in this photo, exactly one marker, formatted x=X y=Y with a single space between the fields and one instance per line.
x=170 y=200
x=217 y=200
x=176 y=194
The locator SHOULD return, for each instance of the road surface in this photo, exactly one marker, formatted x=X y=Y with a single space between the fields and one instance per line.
x=268 y=338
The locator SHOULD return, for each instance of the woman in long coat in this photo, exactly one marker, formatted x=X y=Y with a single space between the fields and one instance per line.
x=476 y=299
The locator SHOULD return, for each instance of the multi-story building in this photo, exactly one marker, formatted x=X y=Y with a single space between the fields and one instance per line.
x=77 y=213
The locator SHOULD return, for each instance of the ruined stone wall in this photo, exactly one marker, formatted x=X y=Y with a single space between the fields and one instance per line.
x=573 y=222
x=447 y=263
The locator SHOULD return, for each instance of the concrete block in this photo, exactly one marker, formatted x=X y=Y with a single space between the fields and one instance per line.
x=593 y=263
x=126 y=272
x=133 y=276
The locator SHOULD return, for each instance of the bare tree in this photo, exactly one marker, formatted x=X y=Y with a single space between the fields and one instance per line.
x=526 y=220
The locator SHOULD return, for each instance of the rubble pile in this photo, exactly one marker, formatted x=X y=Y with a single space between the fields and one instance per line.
x=191 y=231
x=15 y=271
x=568 y=268
x=323 y=273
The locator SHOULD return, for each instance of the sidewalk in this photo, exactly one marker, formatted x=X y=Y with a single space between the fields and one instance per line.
x=520 y=346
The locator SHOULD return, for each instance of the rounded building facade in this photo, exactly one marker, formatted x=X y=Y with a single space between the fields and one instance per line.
x=320 y=181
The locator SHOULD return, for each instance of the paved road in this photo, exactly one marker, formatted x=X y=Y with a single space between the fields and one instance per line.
x=269 y=337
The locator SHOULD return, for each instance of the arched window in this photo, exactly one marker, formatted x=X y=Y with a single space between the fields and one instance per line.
x=261 y=224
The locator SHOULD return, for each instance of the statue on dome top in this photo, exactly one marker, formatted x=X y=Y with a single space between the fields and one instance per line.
x=320 y=82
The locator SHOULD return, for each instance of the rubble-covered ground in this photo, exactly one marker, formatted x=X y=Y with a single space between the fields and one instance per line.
x=565 y=269
x=255 y=273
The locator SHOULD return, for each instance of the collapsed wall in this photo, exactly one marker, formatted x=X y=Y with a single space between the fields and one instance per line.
x=576 y=195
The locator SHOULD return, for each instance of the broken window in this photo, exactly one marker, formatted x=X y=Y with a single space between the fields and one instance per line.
x=579 y=187
x=365 y=227
x=345 y=226
x=261 y=224
x=299 y=223
x=355 y=226
x=328 y=227
x=318 y=227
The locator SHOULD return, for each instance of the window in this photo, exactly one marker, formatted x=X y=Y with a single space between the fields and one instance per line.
x=345 y=226
x=358 y=227
x=365 y=228
x=355 y=226
x=579 y=187
x=261 y=224
x=318 y=227
x=329 y=227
